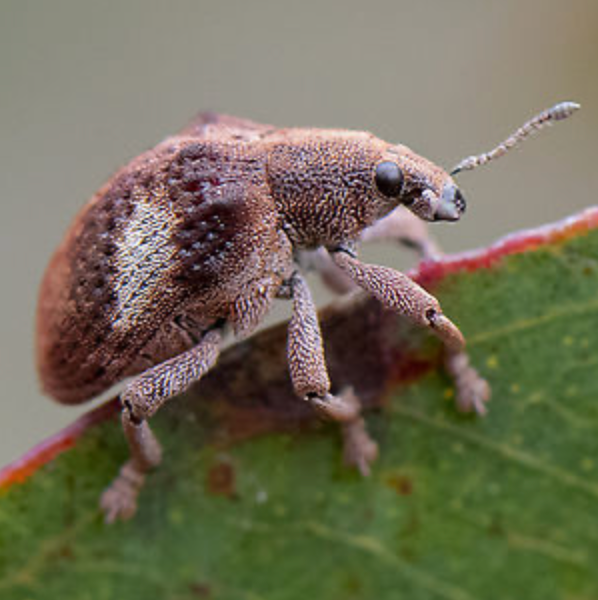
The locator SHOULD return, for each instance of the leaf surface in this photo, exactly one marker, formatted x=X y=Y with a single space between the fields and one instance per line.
x=252 y=501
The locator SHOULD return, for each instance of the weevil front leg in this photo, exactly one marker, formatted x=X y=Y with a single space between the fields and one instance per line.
x=311 y=382
x=400 y=293
x=402 y=226
x=472 y=391
x=141 y=399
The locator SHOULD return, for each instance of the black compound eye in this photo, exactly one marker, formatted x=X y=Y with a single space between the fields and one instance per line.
x=389 y=178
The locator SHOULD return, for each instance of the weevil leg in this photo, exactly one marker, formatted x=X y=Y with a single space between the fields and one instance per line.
x=402 y=226
x=401 y=294
x=119 y=500
x=319 y=261
x=472 y=390
x=311 y=382
x=359 y=449
x=141 y=399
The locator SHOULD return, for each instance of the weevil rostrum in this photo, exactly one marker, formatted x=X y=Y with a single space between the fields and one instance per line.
x=202 y=233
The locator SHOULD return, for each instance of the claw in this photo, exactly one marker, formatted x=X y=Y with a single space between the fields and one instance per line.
x=334 y=408
x=472 y=391
x=119 y=500
x=116 y=504
x=446 y=330
x=360 y=450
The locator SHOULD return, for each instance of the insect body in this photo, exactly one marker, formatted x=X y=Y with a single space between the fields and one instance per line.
x=200 y=235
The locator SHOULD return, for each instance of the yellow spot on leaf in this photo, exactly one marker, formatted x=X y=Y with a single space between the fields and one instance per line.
x=587 y=464
x=536 y=398
x=492 y=361
x=176 y=517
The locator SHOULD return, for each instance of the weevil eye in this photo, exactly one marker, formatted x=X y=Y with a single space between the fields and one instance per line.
x=389 y=178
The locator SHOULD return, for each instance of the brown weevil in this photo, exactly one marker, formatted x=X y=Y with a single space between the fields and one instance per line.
x=200 y=234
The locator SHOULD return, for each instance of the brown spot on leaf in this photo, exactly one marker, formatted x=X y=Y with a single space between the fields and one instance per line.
x=402 y=484
x=65 y=552
x=200 y=590
x=221 y=480
x=496 y=527
x=353 y=586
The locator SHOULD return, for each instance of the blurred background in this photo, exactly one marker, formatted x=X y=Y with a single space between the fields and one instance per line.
x=87 y=86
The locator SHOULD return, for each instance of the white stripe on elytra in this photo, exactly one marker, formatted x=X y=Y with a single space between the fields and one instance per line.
x=142 y=259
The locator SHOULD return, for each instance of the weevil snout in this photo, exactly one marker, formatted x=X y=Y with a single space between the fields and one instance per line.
x=447 y=205
x=451 y=204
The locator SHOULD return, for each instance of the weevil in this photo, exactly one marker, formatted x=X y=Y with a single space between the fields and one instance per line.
x=200 y=235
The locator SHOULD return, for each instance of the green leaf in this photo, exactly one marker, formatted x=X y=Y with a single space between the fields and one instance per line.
x=457 y=507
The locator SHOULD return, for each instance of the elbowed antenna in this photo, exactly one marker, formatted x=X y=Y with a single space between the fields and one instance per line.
x=547 y=117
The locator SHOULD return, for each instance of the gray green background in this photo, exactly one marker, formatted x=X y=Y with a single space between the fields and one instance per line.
x=85 y=86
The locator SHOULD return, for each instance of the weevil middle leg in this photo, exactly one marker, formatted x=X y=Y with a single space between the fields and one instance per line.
x=311 y=382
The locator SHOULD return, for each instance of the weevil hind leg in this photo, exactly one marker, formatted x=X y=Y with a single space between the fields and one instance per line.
x=311 y=382
x=141 y=399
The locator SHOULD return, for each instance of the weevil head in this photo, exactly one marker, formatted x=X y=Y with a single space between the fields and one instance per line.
x=331 y=185
x=403 y=177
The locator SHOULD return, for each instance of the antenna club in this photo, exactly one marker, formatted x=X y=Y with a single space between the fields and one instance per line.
x=562 y=110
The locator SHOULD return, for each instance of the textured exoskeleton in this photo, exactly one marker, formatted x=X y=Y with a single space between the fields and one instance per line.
x=201 y=234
